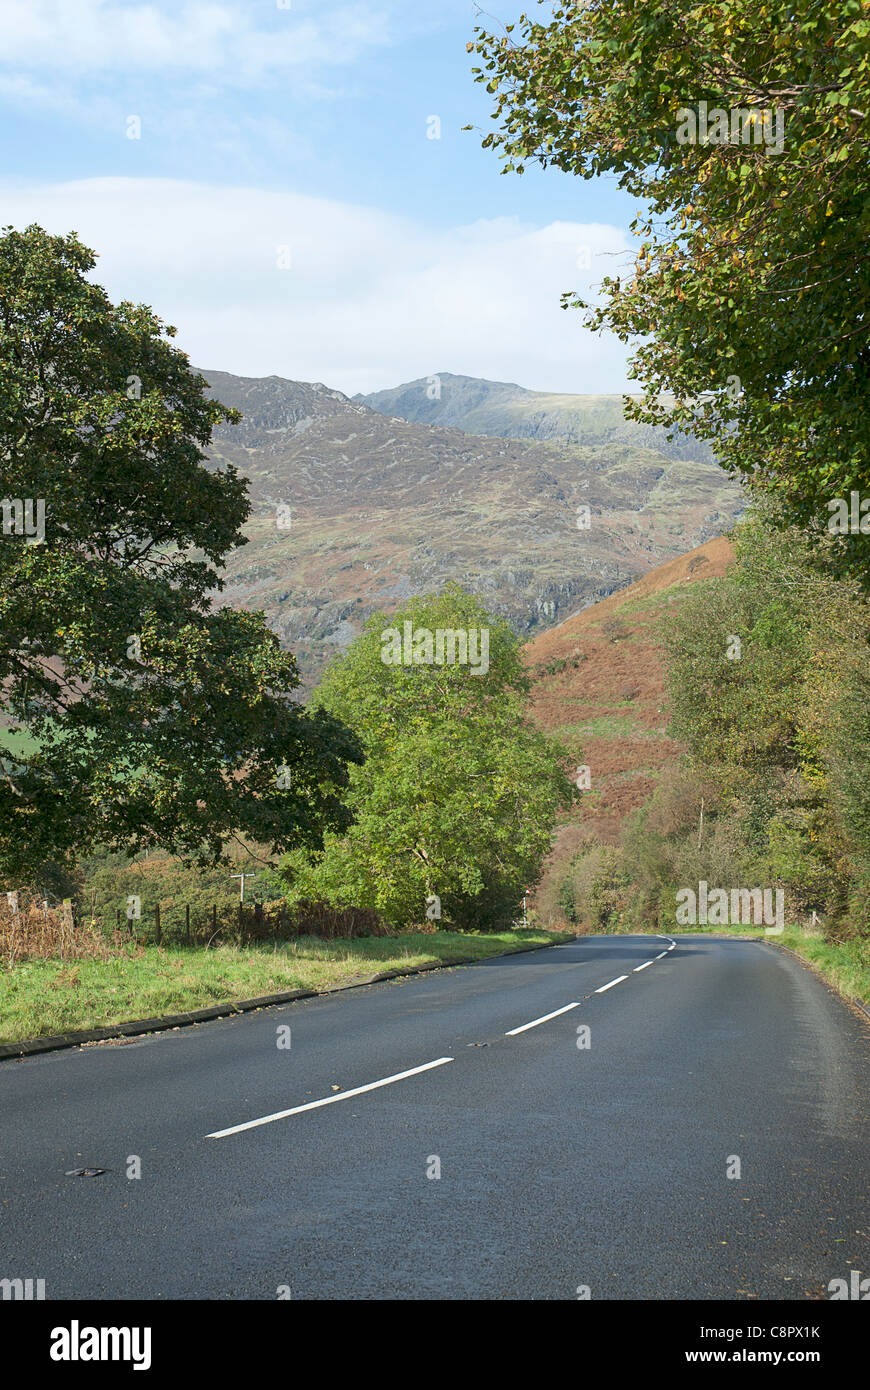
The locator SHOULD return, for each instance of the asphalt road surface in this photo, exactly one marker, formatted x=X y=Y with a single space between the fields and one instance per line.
x=563 y=1168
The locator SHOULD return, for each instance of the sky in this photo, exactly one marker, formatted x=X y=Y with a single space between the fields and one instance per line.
x=289 y=185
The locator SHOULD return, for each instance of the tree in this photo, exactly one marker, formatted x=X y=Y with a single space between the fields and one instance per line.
x=136 y=712
x=752 y=282
x=765 y=673
x=456 y=801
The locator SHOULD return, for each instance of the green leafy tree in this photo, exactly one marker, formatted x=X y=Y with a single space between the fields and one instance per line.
x=567 y=898
x=750 y=292
x=594 y=890
x=455 y=804
x=766 y=690
x=135 y=712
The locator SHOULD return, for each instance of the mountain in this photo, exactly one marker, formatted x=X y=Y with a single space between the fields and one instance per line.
x=504 y=409
x=382 y=508
x=598 y=682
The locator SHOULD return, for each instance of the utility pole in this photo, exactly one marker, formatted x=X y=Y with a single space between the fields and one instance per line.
x=242 y=878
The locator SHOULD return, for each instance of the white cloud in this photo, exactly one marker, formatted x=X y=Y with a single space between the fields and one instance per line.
x=370 y=300
x=231 y=40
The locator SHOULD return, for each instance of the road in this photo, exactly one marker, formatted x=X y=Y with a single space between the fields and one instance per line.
x=563 y=1168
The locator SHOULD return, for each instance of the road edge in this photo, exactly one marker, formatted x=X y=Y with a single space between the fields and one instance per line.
x=811 y=965
x=56 y=1042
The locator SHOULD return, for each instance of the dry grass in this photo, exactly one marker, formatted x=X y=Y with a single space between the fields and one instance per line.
x=33 y=931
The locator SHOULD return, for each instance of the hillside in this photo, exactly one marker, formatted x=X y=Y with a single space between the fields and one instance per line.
x=598 y=682
x=382 y=508
x=504 y=409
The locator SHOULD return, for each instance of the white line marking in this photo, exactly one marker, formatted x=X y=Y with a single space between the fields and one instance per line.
x=662 y=956
x=642 y=967
x=512 y=1032
x=617 y=981
x=327 y=1100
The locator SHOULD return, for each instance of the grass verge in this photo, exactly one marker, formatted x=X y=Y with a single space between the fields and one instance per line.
x=40 y=997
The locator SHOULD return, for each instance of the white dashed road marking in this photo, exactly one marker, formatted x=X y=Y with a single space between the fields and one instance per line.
x=617 y=981
x=512 y=1032
x=427 y=1066
x=327 y=1100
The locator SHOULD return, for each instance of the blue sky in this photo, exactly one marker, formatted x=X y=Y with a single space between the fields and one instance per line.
x=283 y=204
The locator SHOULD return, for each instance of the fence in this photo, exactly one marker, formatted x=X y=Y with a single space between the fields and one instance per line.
x=181 y=925
x=259 y=922
x=29 y=927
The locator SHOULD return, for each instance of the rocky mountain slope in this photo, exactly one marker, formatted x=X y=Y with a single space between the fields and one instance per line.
x=354 y=511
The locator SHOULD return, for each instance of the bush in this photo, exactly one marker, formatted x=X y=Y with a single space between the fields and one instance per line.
x=596 y=887
x=324 y=920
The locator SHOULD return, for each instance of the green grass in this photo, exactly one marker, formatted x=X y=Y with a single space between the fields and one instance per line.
x=603 y=726
x=18 y=743
x=615 y=778
x=611 y=726
x=39 y=997
x=648 y=603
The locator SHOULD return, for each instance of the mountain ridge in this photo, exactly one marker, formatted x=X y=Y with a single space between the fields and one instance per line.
x=505 y=409
x=378 y=508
